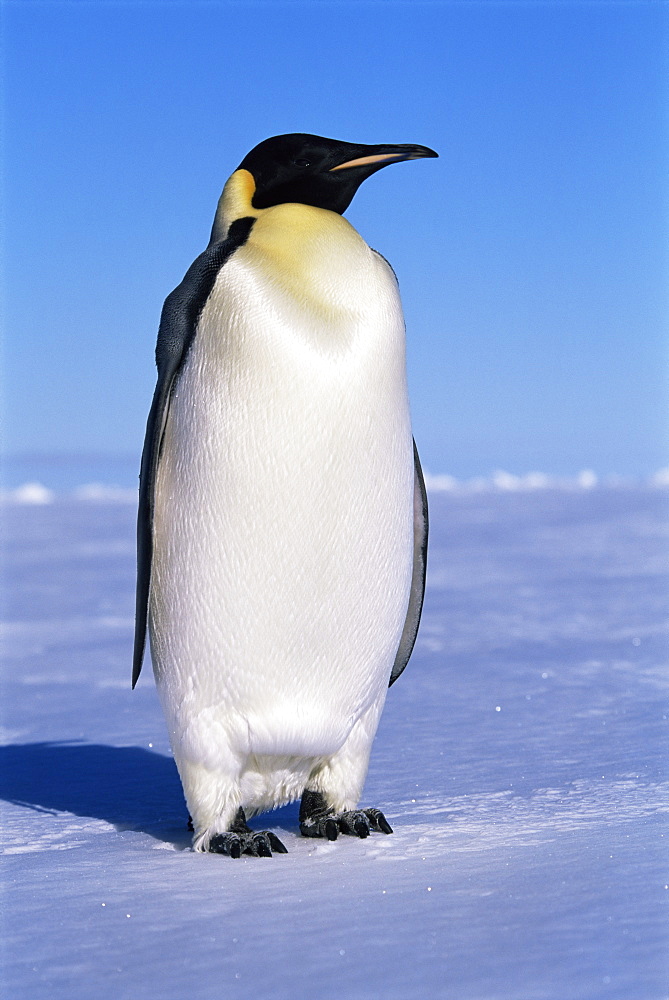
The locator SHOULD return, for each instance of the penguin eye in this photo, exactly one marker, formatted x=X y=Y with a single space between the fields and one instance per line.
x=301 y=163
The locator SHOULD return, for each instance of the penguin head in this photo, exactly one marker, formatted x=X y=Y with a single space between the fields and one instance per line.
x=303 y=169
x=312 y=170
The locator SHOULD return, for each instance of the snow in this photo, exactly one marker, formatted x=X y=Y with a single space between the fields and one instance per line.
x=521 y=760
x=32 y=493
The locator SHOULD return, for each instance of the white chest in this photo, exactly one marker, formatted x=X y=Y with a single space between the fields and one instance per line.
x=283 y=527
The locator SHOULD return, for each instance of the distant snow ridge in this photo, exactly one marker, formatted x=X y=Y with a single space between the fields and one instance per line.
x=661 y=478
x=106 y=494
x=30 y=493
x=36 y=494
x=507 y=482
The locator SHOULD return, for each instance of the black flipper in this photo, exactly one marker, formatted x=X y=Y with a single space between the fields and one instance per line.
x=178 y=323
x=420 y=532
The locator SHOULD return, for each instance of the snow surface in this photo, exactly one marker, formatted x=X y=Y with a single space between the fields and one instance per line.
x=521 y=760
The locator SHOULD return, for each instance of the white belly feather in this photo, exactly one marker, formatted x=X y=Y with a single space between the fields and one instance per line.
x=283 y=517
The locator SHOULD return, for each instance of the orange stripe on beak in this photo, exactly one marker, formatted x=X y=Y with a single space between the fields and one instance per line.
x=364 y=160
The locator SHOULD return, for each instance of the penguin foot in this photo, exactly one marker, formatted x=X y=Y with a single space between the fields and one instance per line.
x=257 y=844
x=317 y=820
x=241 y=839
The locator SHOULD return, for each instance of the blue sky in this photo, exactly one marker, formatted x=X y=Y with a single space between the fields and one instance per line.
x=531 y=256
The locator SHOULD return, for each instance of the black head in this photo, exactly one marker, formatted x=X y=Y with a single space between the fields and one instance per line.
x=311 y=170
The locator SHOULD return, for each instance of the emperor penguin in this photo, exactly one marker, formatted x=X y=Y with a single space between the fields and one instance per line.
x=282 y=528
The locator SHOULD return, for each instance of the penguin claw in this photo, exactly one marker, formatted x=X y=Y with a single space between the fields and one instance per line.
x=378 y=821
x=354 y=822
x=241 y=839
x=226 y=843
x=330 y=827
x=275 y=844
x=256 y=844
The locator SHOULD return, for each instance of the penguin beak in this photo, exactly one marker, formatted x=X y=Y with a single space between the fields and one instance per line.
x=386 y=154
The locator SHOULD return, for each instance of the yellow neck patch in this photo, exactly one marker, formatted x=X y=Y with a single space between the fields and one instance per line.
x=234 y=203
x=299 y=248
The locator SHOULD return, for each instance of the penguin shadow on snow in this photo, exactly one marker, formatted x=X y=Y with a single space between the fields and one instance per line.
x=129 y=787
